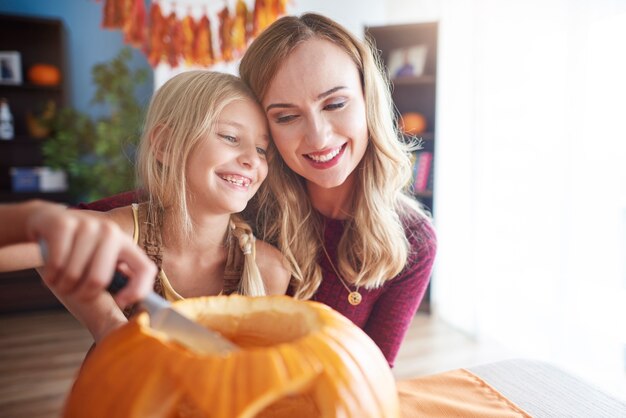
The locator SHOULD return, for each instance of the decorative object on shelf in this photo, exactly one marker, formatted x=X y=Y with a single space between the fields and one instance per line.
x=98 y=156
x=6 y=121
x=44 y=75
x=407 y=62
x=10 y=67
x=169 y=37
x=422 y=172
x=38 y=179
x=24 y=179
x=412 y=123
x=297 y=359
x=39 y=124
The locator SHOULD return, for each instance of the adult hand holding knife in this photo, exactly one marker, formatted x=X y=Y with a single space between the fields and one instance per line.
x=77 y=256
x=164 y=318
x=82 y=252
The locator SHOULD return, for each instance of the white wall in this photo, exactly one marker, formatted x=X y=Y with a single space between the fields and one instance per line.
x=530 y=201
x=411 y=11
x=353 y=14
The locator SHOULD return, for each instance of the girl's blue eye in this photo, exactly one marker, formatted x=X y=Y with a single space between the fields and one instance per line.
x=261 y=151
x=228 y=138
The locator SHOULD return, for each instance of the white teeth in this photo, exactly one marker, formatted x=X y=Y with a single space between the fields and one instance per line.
x=239 y=181
x=325 y=157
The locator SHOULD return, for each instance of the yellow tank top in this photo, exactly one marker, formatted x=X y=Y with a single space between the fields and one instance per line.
x=232 y=272
x=168 y=291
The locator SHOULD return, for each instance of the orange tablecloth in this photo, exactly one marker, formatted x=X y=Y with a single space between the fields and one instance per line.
x=457 y=393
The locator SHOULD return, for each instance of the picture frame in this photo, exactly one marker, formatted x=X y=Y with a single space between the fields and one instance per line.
x=10 y=67
x=407 y=62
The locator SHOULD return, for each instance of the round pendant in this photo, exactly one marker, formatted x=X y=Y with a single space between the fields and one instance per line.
x=354 y=298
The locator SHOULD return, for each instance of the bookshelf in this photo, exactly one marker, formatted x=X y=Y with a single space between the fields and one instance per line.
x=409 y=52
x=416 y=92
x=37 y=40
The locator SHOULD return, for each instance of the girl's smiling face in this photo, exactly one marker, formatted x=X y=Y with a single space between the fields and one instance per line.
x=228 y=166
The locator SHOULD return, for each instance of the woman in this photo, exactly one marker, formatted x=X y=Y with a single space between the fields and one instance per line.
x=333 y=202
x=201 y=159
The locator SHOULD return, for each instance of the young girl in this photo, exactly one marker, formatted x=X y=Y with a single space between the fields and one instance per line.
x=201 y=158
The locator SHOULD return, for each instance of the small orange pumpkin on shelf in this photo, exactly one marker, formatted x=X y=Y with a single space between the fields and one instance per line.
x=39 y=124
x=412 y=123
x=44 y=75
x=297 y=359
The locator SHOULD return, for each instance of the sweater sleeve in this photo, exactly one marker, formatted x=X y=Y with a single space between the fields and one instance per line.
x=115 y=201
x=396 y=307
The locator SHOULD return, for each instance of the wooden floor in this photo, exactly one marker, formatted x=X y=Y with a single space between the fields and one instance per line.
x=39 y=355
x=41 y=352
x=432 y=346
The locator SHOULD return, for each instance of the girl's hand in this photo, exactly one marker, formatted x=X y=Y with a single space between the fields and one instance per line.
x=83 y=251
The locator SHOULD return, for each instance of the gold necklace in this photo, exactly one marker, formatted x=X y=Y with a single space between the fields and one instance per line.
x=354 y=297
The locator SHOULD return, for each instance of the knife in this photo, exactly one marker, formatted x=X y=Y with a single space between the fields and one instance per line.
x=164 y=318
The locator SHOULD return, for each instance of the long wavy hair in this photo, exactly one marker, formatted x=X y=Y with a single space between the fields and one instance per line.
x=374 y=247
x=181 y=114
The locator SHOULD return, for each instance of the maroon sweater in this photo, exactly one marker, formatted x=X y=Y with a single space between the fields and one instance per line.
x=384 y=313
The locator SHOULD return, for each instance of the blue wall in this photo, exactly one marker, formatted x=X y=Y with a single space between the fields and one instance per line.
x=87 y=44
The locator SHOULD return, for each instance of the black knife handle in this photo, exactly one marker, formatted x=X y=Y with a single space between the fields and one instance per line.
x=118 y=283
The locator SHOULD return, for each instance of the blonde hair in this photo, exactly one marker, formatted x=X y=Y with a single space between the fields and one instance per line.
x=248 y=285
x=374 y=247
x=181 y=114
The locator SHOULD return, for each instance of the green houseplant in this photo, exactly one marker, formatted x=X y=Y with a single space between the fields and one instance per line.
x=98 y=155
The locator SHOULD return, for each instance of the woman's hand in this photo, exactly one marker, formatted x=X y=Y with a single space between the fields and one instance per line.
x=83 y=251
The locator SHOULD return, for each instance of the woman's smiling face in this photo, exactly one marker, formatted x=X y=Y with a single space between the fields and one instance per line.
x=316 y=113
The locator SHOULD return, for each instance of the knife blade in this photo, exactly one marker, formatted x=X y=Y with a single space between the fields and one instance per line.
x=164 y=318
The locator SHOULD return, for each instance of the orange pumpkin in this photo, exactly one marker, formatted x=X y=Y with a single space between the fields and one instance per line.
x=44 y=75
x=298 y=359
x=412 y=123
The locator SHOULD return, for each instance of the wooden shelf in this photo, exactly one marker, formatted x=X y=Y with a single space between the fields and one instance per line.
x=414 y=94
x=29 y=87
x=22 y=140
x=424 y=136
x=10 y=196
x=428 y=194
x=37 y=40
x=414 y=80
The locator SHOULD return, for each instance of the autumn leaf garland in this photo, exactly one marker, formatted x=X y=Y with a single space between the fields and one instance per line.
x=176 y=40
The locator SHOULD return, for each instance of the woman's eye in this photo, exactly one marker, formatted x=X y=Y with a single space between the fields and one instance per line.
x=334 y=106
x=285 y=118
x=228 y=138
x=262 y=151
